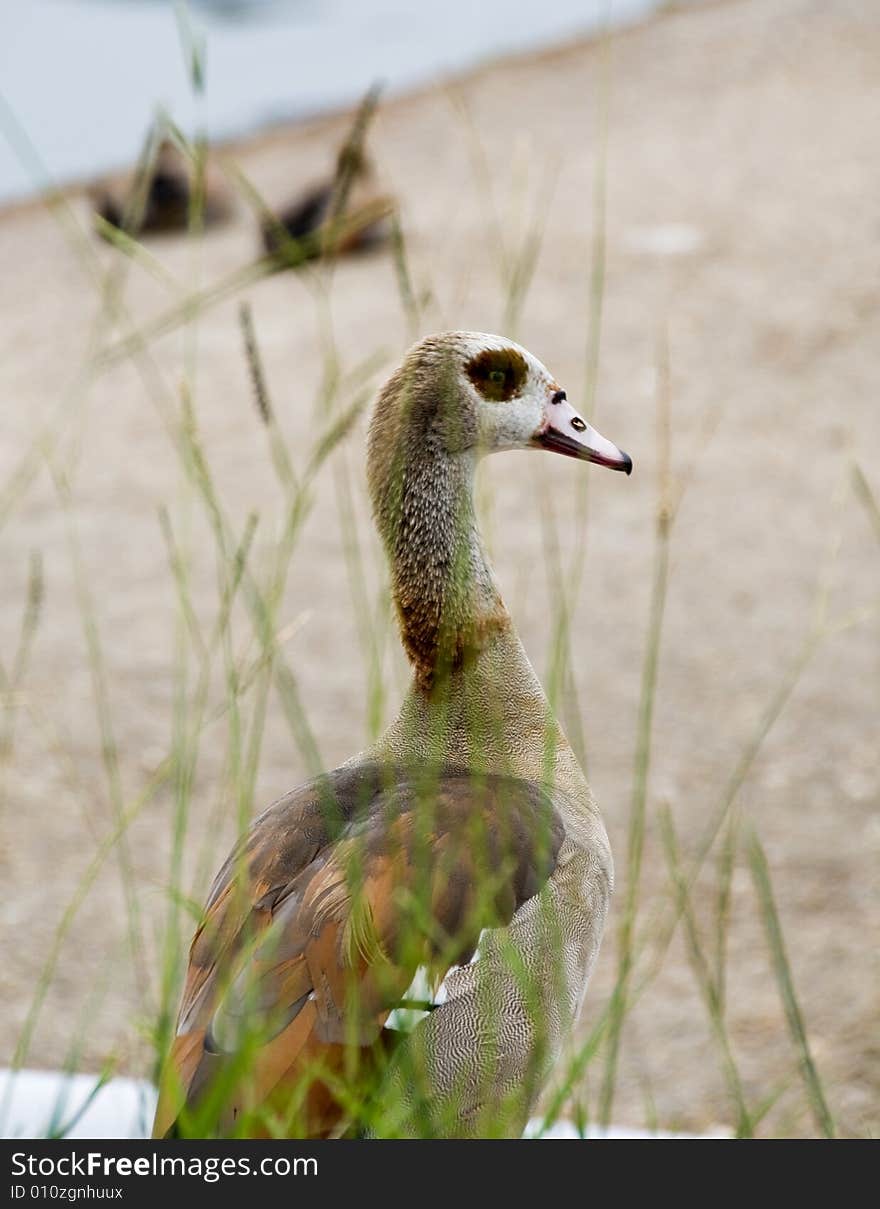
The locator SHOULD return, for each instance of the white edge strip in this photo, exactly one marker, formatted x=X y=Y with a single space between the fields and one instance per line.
x=35 y=1103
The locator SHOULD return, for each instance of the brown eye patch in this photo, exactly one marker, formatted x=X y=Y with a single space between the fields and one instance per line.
x=498 y=374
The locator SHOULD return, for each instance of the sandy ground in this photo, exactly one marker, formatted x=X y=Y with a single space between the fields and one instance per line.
x=742 y=221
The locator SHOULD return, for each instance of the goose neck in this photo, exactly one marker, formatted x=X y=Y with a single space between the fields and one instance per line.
x=448 y=605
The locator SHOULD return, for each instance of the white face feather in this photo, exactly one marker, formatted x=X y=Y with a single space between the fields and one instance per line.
x=519 y=405
x=512 y=421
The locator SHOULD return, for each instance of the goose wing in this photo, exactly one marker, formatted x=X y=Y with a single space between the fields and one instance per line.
x=318 y=921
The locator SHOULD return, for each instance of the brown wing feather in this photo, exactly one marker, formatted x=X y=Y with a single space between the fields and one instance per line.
x=317 y=922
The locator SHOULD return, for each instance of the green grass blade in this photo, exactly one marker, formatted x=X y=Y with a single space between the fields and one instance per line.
x=785 y=981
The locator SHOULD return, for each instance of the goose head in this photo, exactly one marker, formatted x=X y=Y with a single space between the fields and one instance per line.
x=455 y=397
x=470 y=393
x=520 y=405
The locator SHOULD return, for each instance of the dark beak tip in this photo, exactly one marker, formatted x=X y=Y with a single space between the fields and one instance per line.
x=628 y=464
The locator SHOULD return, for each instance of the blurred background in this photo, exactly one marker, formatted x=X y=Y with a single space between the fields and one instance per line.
x=674 y=207
x=112 y=62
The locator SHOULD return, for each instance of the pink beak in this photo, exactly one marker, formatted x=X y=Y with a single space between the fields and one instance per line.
x=564 y=431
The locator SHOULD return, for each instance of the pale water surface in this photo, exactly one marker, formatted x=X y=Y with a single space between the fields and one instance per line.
x=79 y=79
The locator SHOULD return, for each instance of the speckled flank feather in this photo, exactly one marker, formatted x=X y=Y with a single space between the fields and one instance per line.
x=465 y=843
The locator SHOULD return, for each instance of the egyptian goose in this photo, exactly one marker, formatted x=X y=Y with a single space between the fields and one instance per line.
x=167 y=200
x=307 y=227
x=455 y=876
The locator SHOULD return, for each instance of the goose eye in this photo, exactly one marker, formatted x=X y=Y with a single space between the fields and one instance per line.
x=498 y=374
